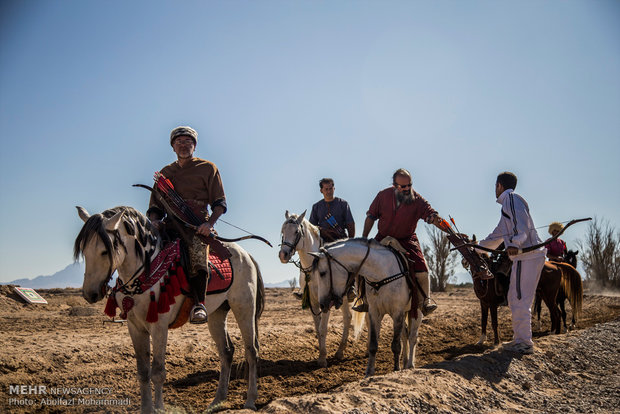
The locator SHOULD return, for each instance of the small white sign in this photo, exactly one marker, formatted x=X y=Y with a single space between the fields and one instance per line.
x=30 y=295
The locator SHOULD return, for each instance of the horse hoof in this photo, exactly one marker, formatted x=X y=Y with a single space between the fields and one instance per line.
x=250 y=406
x=322 y=363
x=339 y=356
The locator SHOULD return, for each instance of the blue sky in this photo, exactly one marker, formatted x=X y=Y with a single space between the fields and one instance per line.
x=283 y=93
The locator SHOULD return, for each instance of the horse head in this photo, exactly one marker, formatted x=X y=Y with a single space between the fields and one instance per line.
x=571 y=257
x=116 y=239
x=292 y=233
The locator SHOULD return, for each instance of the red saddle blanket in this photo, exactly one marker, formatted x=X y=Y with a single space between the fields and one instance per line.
x=220 y=274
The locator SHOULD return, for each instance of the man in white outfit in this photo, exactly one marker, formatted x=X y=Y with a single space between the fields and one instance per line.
x=517 y=231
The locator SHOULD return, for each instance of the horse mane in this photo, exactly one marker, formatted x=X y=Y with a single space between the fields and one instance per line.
x=135 y=224
x=357 y=240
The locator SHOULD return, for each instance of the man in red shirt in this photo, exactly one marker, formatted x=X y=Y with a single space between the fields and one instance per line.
x=556 y=250
x=398 y=209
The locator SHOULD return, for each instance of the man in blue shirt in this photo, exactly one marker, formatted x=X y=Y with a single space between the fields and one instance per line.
x=332 y=214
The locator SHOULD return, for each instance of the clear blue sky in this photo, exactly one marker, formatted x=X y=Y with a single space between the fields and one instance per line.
x=284 y=93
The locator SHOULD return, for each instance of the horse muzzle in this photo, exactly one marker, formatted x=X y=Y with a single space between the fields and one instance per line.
x=285 y=256
x=95 y=295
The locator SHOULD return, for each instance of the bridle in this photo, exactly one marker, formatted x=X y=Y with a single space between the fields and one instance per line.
x=299 y=233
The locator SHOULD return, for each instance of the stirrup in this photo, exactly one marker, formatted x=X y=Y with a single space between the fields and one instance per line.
x=196 y=317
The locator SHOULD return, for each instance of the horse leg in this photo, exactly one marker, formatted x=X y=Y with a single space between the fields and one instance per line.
x=158 y=365
x=414 y=326
x=554 y=312
x=495 y=325
x=248 y=332
x=563 y=311
x=322 y=319
x=346 y=321
x=142 y=347
x=373 y=341
x=396 y=345
x=538 y=309
x=225 y=350
x=484 y=315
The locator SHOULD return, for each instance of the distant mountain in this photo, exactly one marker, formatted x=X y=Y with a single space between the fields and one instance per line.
x=70 y=276
x=73 y=276
x=281 y=284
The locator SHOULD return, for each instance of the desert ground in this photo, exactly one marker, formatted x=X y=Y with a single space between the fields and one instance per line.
x=67 y=344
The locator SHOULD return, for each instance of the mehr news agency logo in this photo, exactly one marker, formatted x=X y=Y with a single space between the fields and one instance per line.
x=42 y=395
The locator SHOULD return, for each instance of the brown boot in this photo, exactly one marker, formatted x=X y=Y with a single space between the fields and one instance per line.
x=360 y=305
x=428 y=307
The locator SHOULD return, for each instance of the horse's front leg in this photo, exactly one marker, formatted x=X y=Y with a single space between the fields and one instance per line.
x=322 y=319
x=484 y=315
x=495 y=325
x=142 y=347
x=396 y=345
x=346 y=321
x=158 y=366
x=225 y=350
x=374 y=320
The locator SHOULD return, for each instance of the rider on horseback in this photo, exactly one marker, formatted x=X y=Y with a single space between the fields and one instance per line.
x=556 y=249
x=332 y=215
x=198 y=182
x=398 y=209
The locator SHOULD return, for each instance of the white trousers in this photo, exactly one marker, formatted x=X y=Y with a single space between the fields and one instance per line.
x=523 y=282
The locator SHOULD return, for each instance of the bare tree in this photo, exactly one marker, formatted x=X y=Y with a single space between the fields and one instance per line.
x=441 y=261
x=600 y=254
x=293 y=283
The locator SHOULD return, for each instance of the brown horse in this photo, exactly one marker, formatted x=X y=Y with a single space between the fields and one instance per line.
x=571 y=289
x=555 y=277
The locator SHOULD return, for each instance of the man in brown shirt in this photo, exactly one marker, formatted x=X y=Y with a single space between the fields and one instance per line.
x=398 y=209
x=199 y=183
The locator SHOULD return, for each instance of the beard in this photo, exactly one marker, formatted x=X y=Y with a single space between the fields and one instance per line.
x=404 y=197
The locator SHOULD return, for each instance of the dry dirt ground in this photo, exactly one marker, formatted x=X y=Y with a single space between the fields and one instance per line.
x=66 y=344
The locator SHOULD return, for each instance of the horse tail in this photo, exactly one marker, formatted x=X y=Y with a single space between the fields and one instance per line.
x=573 y=287
x=260 y=298
x=358 y=322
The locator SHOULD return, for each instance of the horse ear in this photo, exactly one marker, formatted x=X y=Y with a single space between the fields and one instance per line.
x=301 y=217
x=286 y=215
x=83 y=213
x=113 y=222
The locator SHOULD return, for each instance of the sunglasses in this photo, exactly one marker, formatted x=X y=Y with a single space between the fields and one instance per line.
x=403 y=186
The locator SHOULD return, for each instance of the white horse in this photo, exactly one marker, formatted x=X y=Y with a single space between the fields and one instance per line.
x=387 y=292
x=299 y=235
x=122 y=239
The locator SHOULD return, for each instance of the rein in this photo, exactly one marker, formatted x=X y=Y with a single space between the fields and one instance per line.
x=351 y=276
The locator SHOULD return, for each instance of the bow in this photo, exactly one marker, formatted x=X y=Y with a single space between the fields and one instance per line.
x=530 y=248
x=173 y=212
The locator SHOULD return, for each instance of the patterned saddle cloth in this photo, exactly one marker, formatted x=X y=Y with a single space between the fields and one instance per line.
x=221 y=274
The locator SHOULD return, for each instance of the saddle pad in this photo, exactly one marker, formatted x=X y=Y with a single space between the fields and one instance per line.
x=220 y=274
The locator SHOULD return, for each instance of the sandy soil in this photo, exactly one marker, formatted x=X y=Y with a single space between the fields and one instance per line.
x=67 y=344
